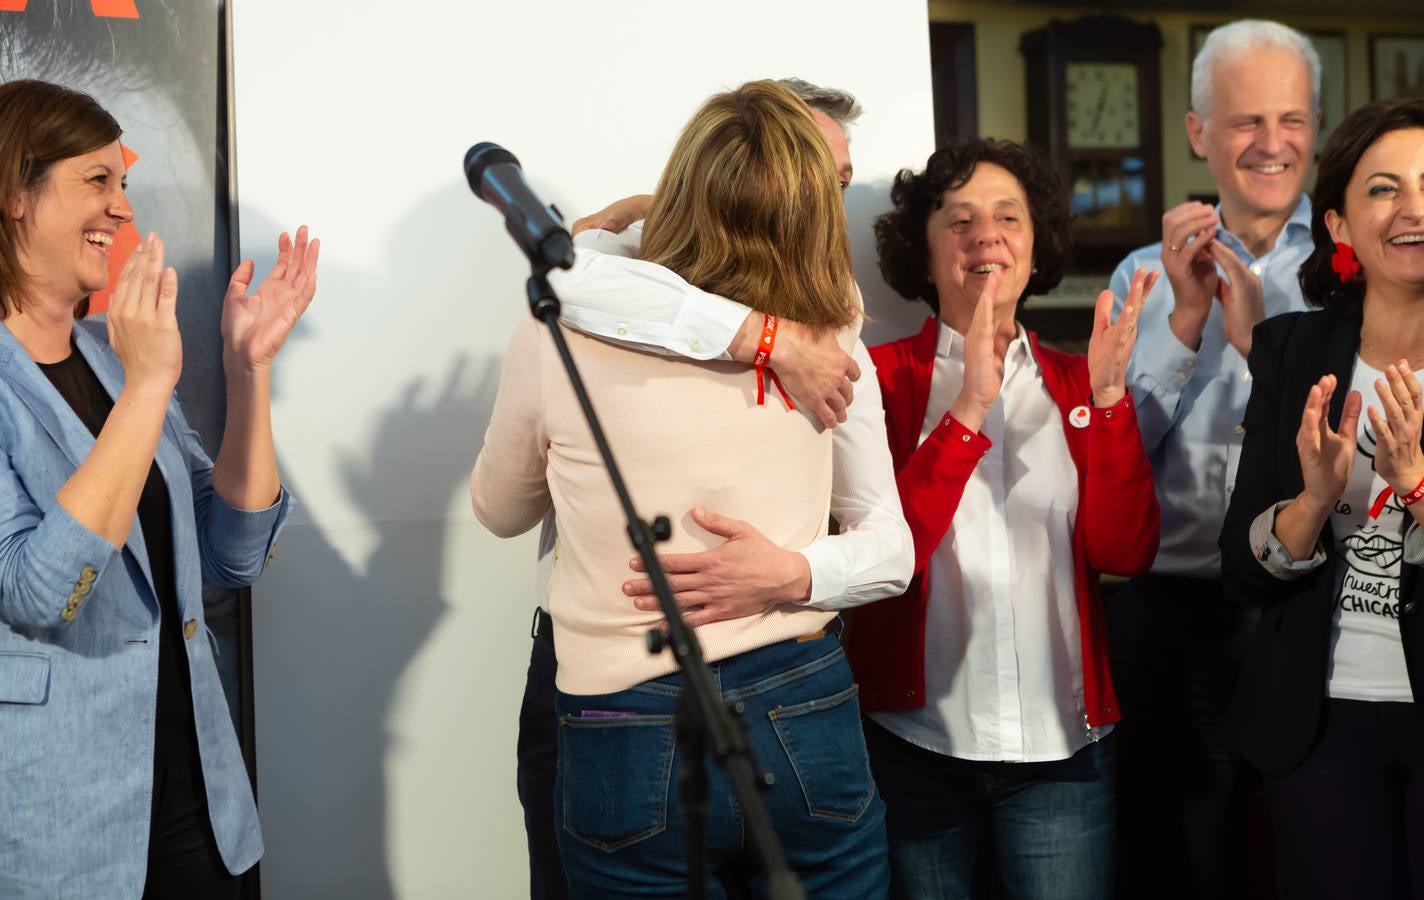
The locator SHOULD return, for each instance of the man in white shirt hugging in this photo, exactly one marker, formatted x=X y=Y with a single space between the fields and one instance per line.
x=613 y=295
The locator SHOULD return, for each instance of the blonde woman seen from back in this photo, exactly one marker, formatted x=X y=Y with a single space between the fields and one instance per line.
x=748 y=205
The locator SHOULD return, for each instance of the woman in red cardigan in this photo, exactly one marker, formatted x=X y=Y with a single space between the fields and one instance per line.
x=1022 y=478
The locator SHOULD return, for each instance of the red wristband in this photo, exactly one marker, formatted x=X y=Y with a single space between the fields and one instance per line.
x=762 y=361
x=1415 y=495
x=766 y=343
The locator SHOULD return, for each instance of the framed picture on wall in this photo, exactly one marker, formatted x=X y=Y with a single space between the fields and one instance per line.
x=1396 y=66
x=953 y=81
x=1197 y=38
x=1332 y=49
x=1333 y=106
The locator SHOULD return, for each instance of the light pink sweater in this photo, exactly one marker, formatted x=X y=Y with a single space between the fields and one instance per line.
x=685 y=433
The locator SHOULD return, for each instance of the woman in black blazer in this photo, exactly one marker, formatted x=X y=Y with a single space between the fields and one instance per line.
x=1323 y=529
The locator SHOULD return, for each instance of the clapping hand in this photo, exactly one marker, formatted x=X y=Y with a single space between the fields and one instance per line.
x=1327 y=455
x=142 y=319
x=256 y=324
x=1397 y=456
x=985 y=345
x=1241 y=298
x=1110 y=347
x=1188 y=234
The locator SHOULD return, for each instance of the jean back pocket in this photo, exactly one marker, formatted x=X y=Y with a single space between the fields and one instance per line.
x=614 y=775
x=826 y=747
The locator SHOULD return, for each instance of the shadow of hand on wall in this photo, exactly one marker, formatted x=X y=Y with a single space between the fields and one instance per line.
x=347 y=638
x=348 y=607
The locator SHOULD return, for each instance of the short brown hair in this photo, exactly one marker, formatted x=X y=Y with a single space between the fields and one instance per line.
x=40 y=125
x=1319 y=284
x=749 y=207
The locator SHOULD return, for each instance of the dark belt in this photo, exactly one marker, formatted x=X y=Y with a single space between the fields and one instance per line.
x=542 y=628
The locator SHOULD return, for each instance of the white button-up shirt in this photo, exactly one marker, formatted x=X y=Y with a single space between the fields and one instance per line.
x=1003 y=665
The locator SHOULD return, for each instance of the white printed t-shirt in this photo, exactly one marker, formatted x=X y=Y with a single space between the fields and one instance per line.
x=1369 y=523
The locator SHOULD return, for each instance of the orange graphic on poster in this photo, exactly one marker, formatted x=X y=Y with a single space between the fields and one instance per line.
x=108 y=9
x=124 y=243
x=115 y=9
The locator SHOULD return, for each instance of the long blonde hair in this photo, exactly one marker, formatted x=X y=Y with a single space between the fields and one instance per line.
x=749 y=207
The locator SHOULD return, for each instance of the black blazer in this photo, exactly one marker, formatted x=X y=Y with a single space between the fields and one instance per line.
x=1277 y=712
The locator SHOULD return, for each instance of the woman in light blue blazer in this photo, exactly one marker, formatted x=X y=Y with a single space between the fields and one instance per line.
x=120 y=773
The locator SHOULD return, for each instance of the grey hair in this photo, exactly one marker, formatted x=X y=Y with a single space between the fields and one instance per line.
x=840 y=105
x=1231 y=40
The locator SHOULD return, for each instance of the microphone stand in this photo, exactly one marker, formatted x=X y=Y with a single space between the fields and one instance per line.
x=703 y=721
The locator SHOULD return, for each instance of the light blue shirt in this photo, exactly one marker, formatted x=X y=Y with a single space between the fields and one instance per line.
x=1190 y=404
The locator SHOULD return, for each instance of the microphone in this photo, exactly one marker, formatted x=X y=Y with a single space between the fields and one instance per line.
x=495 y=177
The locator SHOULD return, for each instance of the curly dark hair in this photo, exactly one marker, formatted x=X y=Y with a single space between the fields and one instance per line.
x=900 y=234
x=1319 y=284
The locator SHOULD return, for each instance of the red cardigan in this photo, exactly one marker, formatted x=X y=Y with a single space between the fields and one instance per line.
x=1115 y=529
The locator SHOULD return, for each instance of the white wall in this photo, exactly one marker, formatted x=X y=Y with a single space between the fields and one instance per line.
x=391 y=631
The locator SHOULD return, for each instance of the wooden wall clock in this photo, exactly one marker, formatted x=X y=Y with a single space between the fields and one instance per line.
x=1094 y=106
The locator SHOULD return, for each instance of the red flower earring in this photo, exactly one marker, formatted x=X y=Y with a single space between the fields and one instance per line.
x=1344 y=263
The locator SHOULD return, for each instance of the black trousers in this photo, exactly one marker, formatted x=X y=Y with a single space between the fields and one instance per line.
x=1349 y=820
x=1177 y=647
x=538 y=754
x=183 y=858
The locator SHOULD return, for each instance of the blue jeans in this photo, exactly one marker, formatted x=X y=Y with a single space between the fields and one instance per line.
x=618 y=809
x=1046 y=830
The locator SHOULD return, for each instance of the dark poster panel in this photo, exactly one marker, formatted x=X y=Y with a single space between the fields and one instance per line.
x=160 y=67
x=955 y=84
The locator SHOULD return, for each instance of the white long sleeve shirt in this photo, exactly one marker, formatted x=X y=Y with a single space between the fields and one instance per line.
x=612 y=295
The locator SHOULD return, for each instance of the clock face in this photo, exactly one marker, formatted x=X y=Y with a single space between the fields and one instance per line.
x=1102 y=106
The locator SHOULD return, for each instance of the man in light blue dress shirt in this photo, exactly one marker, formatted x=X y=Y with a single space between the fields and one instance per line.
x=1177 y=645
